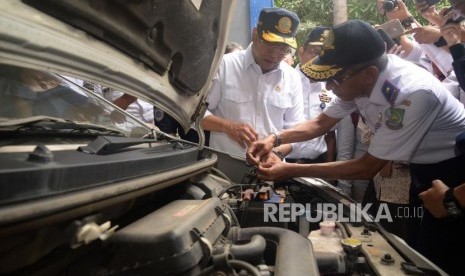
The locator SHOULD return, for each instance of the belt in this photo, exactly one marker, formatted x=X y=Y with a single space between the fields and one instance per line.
x=320 y=159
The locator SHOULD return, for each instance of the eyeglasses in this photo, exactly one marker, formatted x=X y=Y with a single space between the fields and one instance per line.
x=315 y=49
x=280 y=47
x=345 y=77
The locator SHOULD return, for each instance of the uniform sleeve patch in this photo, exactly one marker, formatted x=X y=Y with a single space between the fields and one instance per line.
x=395 y=118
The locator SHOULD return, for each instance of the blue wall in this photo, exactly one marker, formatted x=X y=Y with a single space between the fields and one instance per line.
x=255 y=7
x=245 y=19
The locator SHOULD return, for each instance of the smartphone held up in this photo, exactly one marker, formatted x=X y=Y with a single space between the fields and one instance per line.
x=390 y=32
x=393 y=28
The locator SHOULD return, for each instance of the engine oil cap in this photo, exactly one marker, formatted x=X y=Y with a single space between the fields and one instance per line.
x=351 y=243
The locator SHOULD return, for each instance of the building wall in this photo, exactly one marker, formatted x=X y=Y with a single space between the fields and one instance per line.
x=245 y=19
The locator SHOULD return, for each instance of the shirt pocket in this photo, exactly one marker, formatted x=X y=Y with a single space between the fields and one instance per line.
x=237 y=97
x=237 y=106
x=279 y=101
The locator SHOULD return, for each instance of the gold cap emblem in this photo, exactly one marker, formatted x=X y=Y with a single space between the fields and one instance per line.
x=284 y=25
x=328 y=41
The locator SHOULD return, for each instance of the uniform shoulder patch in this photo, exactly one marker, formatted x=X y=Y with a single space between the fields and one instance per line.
x=390 y=91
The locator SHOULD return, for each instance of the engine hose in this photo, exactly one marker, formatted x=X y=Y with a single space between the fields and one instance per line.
x=294 y=253
x=342 y=229
x=237 y=264
x=251 y=252
x=244 y=265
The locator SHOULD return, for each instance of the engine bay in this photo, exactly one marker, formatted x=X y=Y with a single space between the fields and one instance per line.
x=217 y=219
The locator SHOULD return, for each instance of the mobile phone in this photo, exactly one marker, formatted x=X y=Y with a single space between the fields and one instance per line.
x=389 y=41
x=393 y=28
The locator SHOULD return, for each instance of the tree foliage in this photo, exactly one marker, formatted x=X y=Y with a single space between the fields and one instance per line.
x=320 y=12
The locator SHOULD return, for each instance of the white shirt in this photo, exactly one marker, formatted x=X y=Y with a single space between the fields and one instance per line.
x=440 y=57
x=422 y=123
x=418 y=56
x=140 y=109
x=316 y=98
x=240 y=92
x=452 y=84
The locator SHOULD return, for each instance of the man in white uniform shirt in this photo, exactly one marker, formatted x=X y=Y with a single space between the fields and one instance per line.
x=255 y=92
x=316 y=98
x=412 y=115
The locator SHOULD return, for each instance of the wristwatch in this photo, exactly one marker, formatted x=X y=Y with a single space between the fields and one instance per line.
x=277 y=139
x=451 y=204
x=441 y=42
x=278 y=153
x=407 y=22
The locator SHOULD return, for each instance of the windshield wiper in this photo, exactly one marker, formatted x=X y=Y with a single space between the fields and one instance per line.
x=107 y=145
x=8 y=122
x=54 y=124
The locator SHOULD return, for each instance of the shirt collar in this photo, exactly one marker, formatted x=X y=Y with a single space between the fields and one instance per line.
x=376 y=96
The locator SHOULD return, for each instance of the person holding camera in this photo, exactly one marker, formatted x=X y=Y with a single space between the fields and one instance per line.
x=421 y=48
x=396 y=9
x=412 y=116
x=447 y=37
x=410 y=48
x=426 y=46
x=452 y=31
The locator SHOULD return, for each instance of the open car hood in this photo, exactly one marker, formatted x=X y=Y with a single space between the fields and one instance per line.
x=164 y=52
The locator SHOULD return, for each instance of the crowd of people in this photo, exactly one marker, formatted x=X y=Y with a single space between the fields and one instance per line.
x=400 y=112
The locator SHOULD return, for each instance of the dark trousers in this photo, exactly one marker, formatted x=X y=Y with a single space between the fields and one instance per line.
x=320 y=159
x=439 y=240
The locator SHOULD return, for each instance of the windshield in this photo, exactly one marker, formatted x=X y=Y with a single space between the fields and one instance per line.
x=30 y=96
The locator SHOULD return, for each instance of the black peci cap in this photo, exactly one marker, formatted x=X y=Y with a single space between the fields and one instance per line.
x=315 y=37
x=278 y=25
x=350 y=43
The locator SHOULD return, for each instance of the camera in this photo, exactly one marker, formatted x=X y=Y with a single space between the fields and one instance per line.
x=389 y=5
